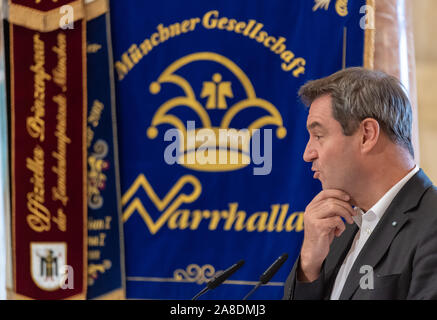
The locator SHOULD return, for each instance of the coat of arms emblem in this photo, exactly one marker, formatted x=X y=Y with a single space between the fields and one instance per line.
x=48 y=260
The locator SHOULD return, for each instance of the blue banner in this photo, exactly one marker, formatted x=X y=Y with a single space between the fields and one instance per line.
x=105 y=235
x=212 y=135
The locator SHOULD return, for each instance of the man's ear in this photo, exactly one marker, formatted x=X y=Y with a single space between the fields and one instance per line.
x=370 y=131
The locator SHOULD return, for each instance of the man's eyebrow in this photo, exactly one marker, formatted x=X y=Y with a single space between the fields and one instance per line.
x=314 y=125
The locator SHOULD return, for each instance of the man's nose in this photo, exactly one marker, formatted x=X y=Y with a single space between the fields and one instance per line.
x=310 y=154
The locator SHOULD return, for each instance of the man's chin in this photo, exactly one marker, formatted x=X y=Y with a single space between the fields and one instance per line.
x=331 y=186
x=326 y=185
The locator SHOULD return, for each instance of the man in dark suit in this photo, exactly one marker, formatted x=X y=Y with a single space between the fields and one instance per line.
x=371 y=233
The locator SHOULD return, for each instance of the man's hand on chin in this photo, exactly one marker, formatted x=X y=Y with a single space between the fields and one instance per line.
x=322 y=221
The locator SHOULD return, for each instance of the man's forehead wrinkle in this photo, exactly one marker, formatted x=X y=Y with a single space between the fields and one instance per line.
x=320 y=112
x=314 y=124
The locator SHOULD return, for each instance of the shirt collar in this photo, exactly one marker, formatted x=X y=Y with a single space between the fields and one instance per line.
x=381 y=206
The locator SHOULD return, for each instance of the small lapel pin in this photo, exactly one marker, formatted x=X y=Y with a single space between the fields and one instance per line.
x=394 y=223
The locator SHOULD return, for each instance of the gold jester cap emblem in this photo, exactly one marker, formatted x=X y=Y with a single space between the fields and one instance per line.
x=231 y=146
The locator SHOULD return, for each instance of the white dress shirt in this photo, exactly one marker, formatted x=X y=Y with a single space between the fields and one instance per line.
x=366 y=222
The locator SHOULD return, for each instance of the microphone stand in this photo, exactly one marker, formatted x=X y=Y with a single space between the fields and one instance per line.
x=219 y=278
x=268 y=274
x=200 y=293
x=252 y=291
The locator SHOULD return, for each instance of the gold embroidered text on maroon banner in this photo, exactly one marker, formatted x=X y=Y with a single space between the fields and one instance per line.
x=48 y=144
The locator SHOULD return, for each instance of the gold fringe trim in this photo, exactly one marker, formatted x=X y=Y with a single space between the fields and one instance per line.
x=96 y=9
x=80 y=296
x=84 y=160
x=42 y=21
x=11 y=295
x=369 y=40
x=117 y=294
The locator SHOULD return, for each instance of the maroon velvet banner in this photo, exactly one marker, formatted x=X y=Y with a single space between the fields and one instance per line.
x=48 y=164
x=42 y=5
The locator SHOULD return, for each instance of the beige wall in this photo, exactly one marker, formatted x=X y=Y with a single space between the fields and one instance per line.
x=425 y=26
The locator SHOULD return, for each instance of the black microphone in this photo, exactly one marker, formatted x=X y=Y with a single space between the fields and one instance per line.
x=219 y=278
x=269 y=273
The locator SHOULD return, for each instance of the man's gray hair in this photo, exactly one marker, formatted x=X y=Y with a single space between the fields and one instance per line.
x=359 y=93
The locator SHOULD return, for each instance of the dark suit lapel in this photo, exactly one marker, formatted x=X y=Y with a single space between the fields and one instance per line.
x=337 y=253
x=339 y=248
x=390 y=224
